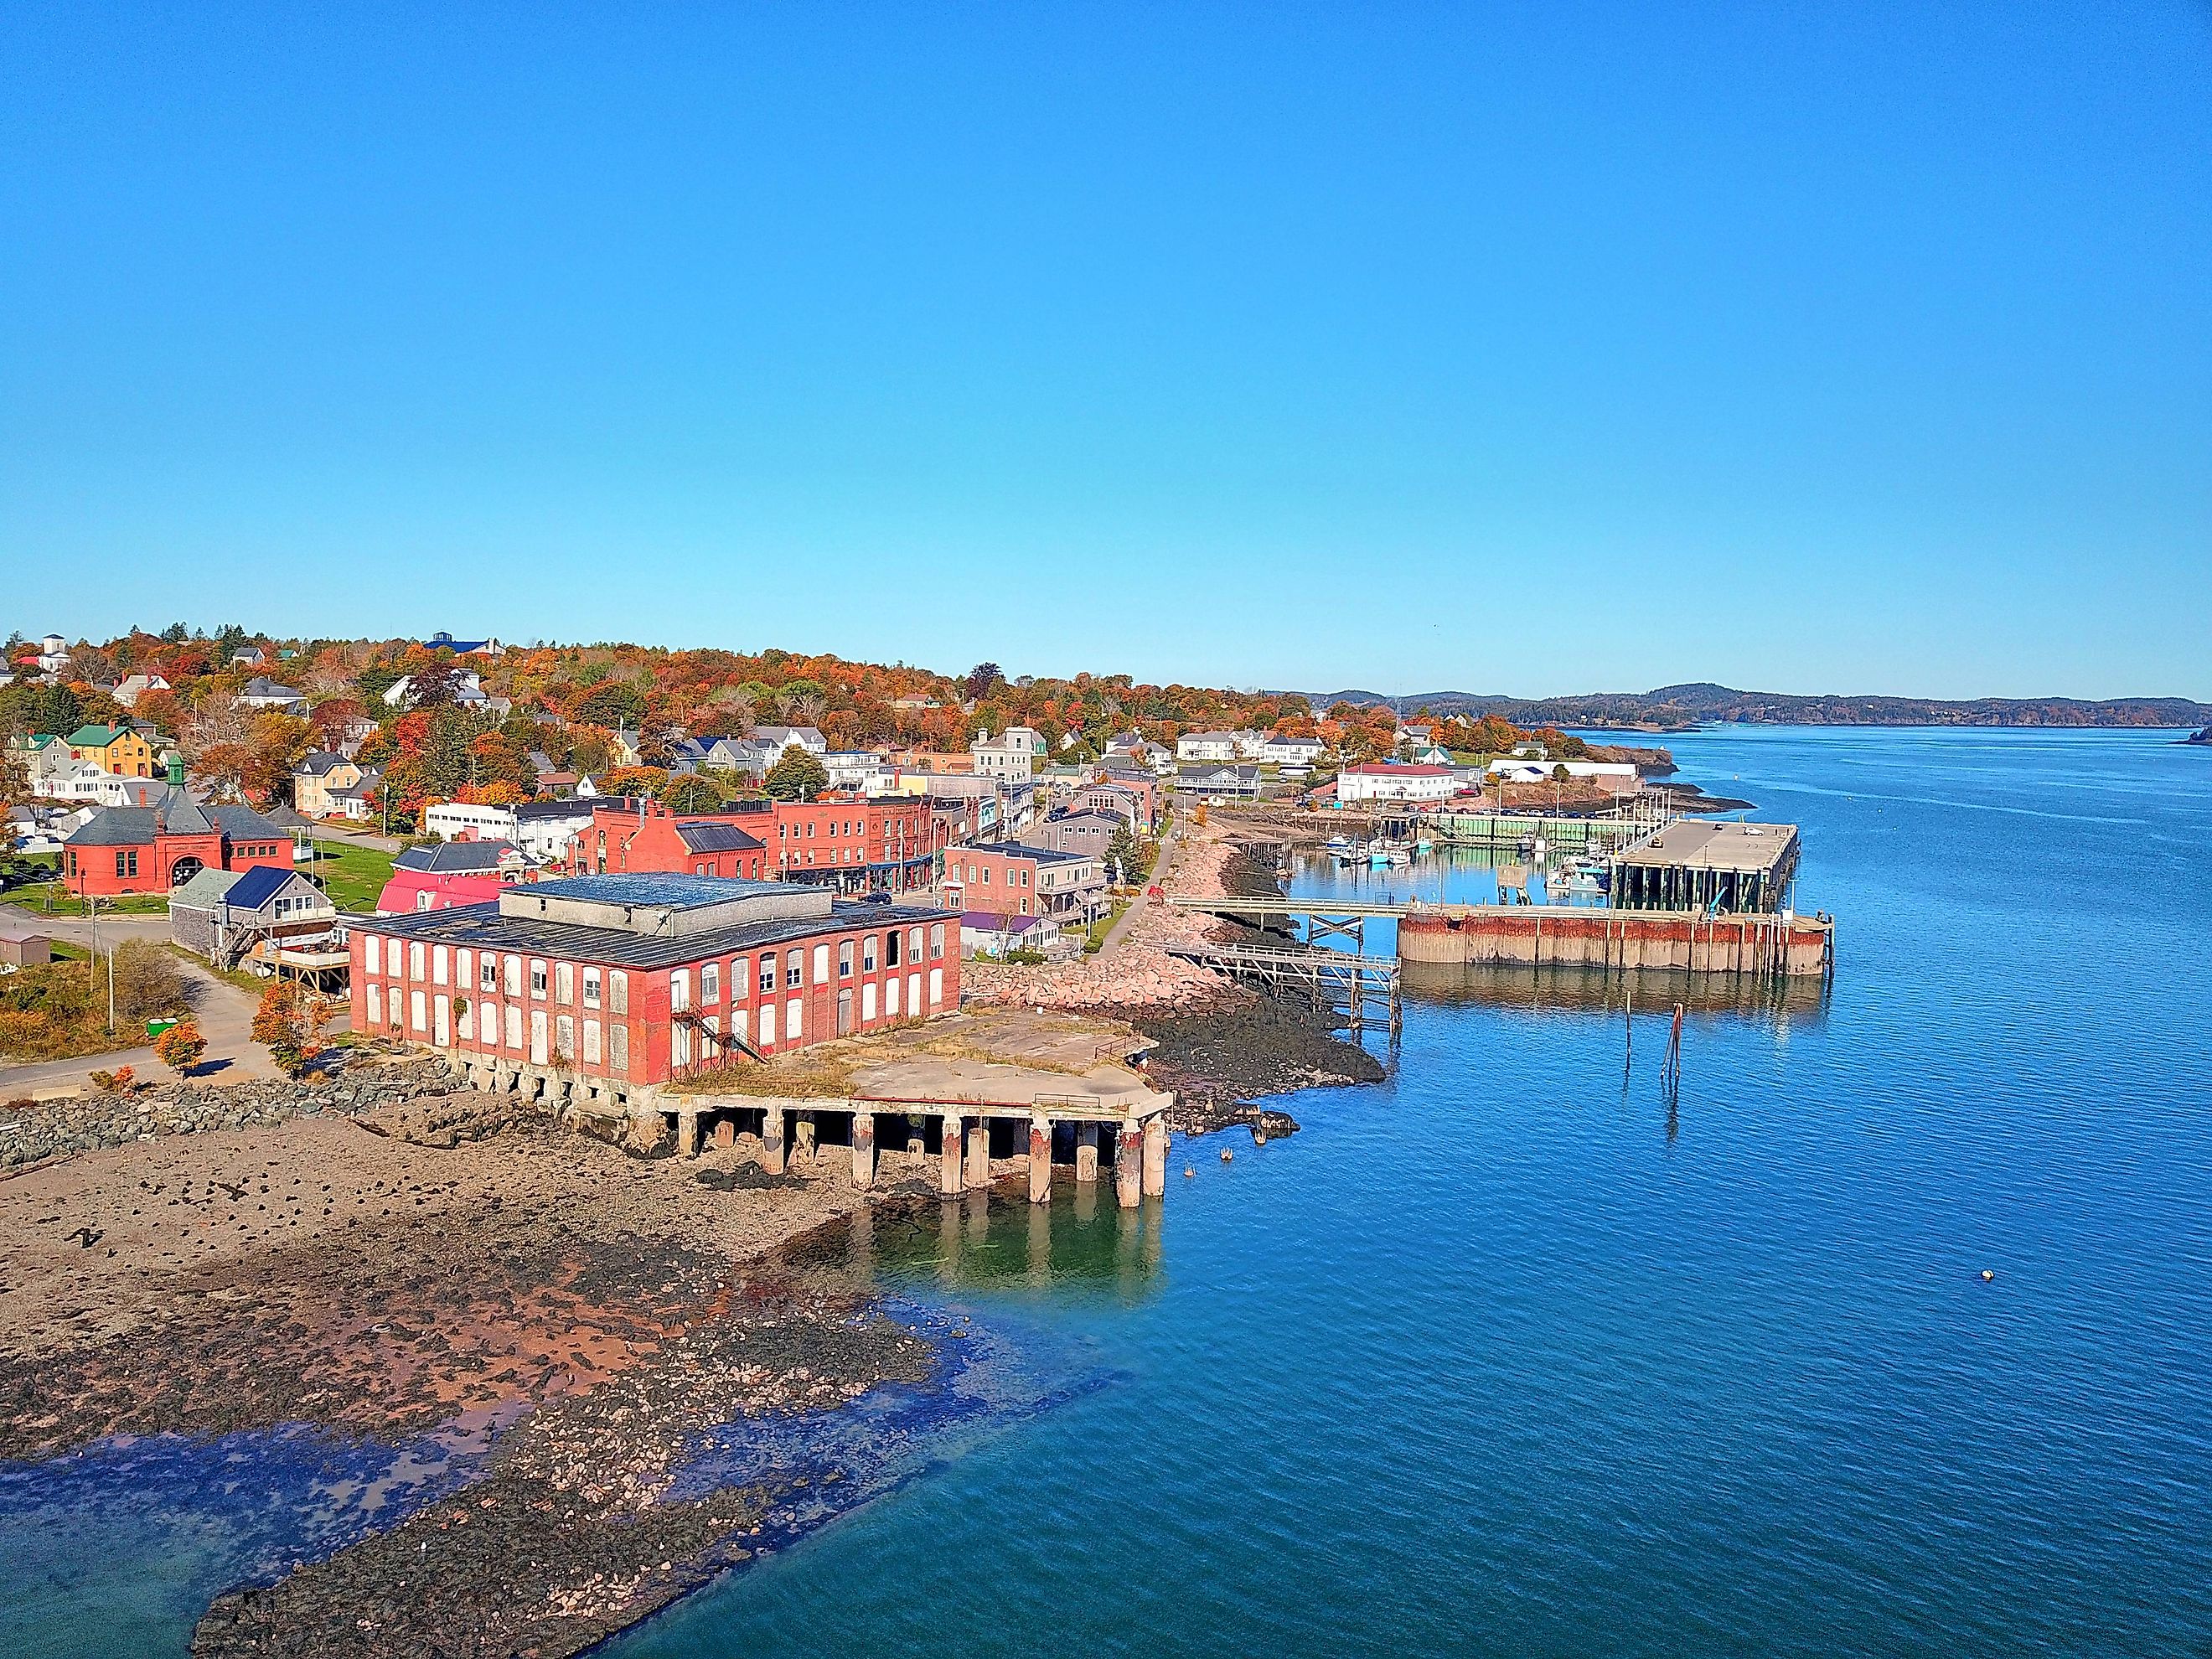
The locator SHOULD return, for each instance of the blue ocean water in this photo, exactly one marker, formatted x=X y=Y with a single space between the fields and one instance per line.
x=1504 y=1356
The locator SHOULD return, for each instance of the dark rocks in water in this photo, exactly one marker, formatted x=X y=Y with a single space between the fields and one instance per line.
x=1689 y=798
x=1268 y=1124
x=744 y=1178
x=1217 y=1062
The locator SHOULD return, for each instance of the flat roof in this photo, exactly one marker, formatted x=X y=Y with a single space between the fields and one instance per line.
x=1699 y=845
x=480 y=927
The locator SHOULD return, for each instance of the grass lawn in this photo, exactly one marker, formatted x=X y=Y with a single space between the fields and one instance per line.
x=1095 y=940
x=50 y=898
x=353 y=876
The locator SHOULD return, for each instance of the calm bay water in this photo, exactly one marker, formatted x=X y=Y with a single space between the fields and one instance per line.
x=1502 y=1357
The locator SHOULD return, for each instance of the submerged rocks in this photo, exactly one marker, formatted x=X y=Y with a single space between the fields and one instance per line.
x=32 y=1131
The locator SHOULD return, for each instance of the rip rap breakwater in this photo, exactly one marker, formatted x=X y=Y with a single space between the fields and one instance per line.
x=32 y=1132
x=1759 y=945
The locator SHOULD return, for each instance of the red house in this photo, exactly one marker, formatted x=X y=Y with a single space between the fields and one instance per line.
x=450 y=874
x=631 y=837
x=165 y=840
x=625 y=982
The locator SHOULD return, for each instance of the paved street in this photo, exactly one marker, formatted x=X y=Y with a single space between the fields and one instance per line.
x=225 y=1014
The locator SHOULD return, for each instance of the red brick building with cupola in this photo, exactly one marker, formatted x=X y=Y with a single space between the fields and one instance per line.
x=164 y=840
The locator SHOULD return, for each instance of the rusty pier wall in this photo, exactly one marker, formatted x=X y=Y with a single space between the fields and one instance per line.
x=1762 y=944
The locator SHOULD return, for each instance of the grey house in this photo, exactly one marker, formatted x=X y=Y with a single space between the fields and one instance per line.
x=272 y=921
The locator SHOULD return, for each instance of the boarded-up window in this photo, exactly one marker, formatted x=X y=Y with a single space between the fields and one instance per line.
x=617 y=992
x=591 y=1042
x=618 y=1045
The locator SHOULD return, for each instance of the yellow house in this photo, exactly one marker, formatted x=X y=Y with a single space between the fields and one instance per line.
x=115 y=749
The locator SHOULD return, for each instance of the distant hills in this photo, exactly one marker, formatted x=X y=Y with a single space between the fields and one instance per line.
x=1678 y=708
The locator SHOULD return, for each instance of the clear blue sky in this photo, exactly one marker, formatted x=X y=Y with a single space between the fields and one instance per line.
x=1537 y=348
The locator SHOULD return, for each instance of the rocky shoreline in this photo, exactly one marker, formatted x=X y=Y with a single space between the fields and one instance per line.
x=602 y=1310
x=31 y=1131
x=1222 y=1045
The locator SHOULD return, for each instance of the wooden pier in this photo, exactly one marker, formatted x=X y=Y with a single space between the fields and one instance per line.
x=1363 y=988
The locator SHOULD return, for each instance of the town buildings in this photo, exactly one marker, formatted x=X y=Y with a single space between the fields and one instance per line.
x=329 y=785
x=1218 y=746
x=619 y=983
x=1295 y=756
x=1233 y=783
x=122 y=750
x=644 y=837
x=164 y=841
x=261 y=692
x=1088 y=833
x=1006 y=878
x=1014 y=755
x=1391 y=781
x=275 y=921
x=852 y=842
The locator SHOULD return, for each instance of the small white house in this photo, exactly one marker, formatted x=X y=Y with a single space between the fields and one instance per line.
x=1292 y=754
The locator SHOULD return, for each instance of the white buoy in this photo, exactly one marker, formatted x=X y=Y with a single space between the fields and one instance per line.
x=1987 y=1275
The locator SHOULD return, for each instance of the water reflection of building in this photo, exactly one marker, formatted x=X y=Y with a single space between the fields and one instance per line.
x=1088 y=1245
x=1579 y=990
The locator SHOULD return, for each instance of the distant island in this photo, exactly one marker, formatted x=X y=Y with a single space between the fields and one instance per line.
x=1685 y=708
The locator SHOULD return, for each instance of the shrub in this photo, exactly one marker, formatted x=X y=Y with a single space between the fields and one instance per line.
x=180 y=1046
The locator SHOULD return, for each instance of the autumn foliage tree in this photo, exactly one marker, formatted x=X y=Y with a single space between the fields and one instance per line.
x=180 y=1048
x=289 y=1023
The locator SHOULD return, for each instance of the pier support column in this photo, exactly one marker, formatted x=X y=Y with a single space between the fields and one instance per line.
x=1156 y=1157
x=864 y=1149
x=979 y=1152
x=804 y=1136
x=772 y=1140
x=725 y=1135
x=1128 y=1163
x=1040 y=1159
x=1086 y=1154
x=948 y=1157
x=687 y=1135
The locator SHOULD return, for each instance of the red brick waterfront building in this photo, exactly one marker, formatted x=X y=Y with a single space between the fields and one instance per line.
x=622 y=982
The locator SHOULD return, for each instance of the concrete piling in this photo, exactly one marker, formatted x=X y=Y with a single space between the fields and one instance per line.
x=864 y=1149
x=1040 y=1159
x=1156 y=1157
x=804 y=1136
x=1086 y=1154
x=772 y=1140
x=1128 y=1163
x=948 y=1157
x=687 y=1135
x=979 y=1152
